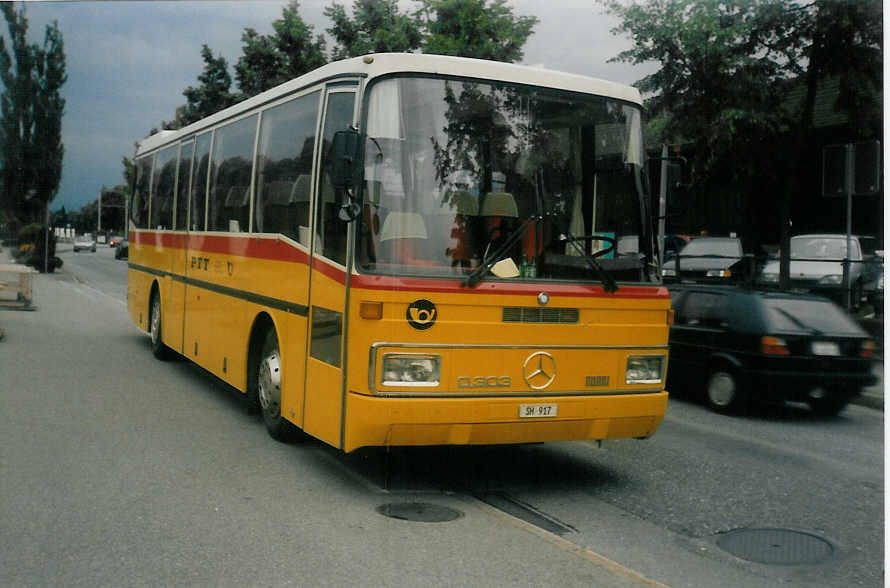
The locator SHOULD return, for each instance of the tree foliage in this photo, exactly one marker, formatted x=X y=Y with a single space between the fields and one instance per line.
x=31 y=107
x=269 y=60
x=736 y=84
x=377 y=26
x=723 y=68
x=212 y=95
x=475 y=28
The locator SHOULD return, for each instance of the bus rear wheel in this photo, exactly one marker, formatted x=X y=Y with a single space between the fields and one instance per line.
x=158 y=349
x=267 y=382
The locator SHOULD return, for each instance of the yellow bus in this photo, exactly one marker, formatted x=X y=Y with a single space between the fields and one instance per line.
x=406 y=249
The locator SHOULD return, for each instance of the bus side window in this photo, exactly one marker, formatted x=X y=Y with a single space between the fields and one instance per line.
x=185 y=176
x=199 y=183
x=139 y=212
x=230 y=177
x=284 y=168
x=163 y=182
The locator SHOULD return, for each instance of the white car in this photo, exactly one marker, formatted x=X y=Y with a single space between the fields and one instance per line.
x=85 y=242
x=817 y=266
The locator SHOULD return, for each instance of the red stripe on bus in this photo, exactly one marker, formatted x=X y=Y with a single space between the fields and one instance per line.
x=370 y=282
x=278 y=250
x=246 y=246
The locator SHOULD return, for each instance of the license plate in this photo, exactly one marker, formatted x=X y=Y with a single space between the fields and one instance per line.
x=531 y=411
x=826 y=348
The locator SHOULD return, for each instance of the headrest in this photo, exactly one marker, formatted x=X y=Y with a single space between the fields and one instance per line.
x=403 y=225
x=499 y=204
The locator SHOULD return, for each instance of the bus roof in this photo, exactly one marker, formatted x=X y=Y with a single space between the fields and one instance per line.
x=373 y=65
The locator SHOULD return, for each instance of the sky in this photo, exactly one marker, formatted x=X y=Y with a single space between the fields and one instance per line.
x=128 y=63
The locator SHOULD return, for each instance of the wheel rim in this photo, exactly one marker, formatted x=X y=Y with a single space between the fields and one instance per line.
x=155 y=319
x=721 y=389
x=269 y=382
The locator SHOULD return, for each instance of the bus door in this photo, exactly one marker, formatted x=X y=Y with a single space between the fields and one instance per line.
x=327 y=283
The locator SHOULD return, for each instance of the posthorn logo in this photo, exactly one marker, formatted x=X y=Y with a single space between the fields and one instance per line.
x=421 y=314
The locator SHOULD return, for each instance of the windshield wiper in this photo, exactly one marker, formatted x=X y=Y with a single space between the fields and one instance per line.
x=609 y=284
x=476 y=275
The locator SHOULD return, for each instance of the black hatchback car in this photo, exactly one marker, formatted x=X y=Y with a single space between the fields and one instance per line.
x=737 y=345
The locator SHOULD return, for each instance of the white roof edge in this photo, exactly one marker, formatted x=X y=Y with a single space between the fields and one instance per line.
x=373 y=65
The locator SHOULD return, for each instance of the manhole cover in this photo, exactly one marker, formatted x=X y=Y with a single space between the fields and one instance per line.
x=776 y=546
x=420 y=512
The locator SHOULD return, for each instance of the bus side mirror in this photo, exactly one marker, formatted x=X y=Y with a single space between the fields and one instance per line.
x=345 y=159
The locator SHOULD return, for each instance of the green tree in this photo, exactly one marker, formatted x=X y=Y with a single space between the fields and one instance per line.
x=31 y=107
x=212 y=95
x=475 y=28
x=377 y=26
x=737 y=83
x=723 y=68
x=270 y=60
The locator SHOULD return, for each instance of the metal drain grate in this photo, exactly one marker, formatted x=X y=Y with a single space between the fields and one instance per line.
x=776 y=546
x=419 y=512
x=524 y=512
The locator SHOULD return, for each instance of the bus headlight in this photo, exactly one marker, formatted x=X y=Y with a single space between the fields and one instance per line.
x=411 y=369
x=644 y=369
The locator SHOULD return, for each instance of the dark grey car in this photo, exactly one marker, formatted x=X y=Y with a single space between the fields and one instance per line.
x=735 y=345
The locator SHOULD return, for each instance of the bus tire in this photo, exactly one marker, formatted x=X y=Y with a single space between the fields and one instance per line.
x=158 y=349
x=267 y=384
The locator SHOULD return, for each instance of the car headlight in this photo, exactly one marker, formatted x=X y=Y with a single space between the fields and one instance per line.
x=411 y=369
x=724 y=273
x=668 y=272
x=769 y=278
x=831 y=279
x=880 y=285
x=644 y=369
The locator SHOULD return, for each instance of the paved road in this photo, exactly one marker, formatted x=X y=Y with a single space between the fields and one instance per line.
x=116 y=469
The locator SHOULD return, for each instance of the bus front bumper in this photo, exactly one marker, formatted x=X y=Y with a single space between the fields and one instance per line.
x=399 y=421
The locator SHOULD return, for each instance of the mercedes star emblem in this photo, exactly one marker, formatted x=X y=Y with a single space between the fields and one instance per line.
x=539 y=370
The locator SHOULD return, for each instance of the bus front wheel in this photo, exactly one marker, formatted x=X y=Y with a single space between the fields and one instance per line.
x=158 y=348
x=267 y=382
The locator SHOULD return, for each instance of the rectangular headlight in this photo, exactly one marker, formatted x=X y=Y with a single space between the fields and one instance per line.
x=411 y=369
x=644 y=369
x=724 y=273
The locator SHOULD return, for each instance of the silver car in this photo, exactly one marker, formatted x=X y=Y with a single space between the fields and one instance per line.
x=817 y=266
x=85 y=242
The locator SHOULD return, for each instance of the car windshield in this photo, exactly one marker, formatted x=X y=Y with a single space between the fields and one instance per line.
x=813 y=316
x=718 y=247
x=834 y=248
x=457 y=171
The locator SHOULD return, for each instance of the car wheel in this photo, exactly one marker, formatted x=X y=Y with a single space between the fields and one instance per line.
x=724 y=391
x=158 y=348
x=267 y=384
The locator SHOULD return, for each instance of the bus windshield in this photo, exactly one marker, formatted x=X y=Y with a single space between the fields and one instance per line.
x=530 y=183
